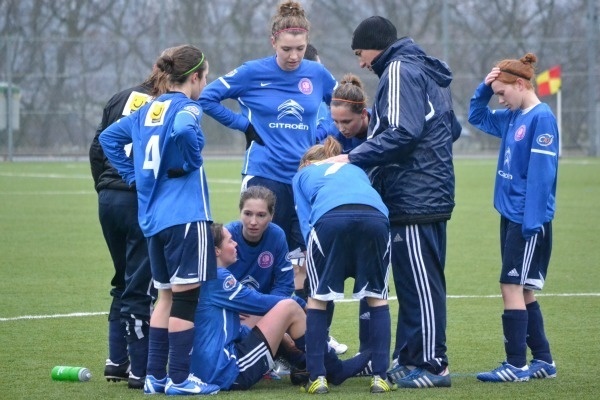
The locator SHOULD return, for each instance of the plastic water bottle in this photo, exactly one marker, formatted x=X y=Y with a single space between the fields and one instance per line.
x=64 y=373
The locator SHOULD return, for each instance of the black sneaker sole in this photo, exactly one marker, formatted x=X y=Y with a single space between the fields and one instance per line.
x=111 y=378
x=135 y=384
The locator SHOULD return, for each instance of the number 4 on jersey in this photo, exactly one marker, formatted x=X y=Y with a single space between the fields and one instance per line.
x=152 y=156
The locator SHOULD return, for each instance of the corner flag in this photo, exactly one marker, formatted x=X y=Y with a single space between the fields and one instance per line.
x=548 y=82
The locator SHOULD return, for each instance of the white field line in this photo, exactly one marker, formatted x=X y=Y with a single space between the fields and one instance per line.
x=88 y=177
x=93 y=314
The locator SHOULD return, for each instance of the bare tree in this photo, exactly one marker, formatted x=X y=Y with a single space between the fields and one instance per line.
x=68 y=57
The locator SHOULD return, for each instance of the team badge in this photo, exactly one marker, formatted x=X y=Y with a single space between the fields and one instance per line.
x=229 y=283
x=545 y=140
x=305 y=86
x=231 y=73
x=520 y=133
x=265 y=259
x=193 y=109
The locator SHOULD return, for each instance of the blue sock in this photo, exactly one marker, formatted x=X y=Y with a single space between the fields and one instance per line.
x=301 y=343
x=158 y=352
x=117 y=344
x=294 y=354
x=338 y=371
x=316 y=342
x=364 y=319
x=536 y=336
x=138 y=355
x=180 y=347
x=380 y=339
x=330 y=308
x=514 y=324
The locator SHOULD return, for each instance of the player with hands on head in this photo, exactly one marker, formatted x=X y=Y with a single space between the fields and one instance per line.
x=279 y=98
x=166 y=135
x=347 y=236
x=525 y=198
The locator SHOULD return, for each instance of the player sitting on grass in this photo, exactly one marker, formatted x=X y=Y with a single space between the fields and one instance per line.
x=236 y=357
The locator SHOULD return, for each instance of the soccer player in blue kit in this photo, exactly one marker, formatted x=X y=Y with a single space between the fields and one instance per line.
x=279 y=98
x=345 y=225
x=132 y=293
x=235 y=356
x=129 y=315
x=262 y=251
x=524 y=195
x=349 y=114
x=262 y=262
x=169 y=176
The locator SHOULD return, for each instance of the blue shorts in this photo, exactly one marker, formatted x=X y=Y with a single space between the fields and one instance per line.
x=350 y=241
x=254 y=359
x=182 y=254
x=285 y=209
x=524 y=262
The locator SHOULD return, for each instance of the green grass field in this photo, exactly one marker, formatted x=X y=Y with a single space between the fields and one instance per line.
x=54 y=263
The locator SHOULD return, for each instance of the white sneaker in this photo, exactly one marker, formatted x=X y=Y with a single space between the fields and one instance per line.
x=281 y=367
x=339 y=348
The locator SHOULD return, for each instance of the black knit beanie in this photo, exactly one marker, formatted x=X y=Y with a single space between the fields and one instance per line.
x=374 y=33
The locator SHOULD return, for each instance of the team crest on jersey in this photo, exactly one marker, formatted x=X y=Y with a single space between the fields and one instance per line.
x=545 y=140
x=156 y=113
x=193 y=109
x=135 y=101
x=520 y=133
x=231 y=73
x=265 y=259
x=229 y=283
x=305 y=86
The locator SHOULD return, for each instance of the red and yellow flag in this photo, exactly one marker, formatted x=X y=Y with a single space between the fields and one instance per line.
x=548 y=82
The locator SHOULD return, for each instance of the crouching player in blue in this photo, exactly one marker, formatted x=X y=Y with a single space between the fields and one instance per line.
x=262 y=248
x=231 y=354
x=263 y=263
x=173 y=212
x=346 y=228
x=524 y=195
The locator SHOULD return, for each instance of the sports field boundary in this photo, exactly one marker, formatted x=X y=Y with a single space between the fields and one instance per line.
x=94 y=314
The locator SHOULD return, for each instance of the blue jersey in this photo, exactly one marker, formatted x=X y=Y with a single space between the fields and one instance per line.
x=165 y=134
x=281 y=105
x=263 y=266
x=525 y=187
x=325 y=123
x=321 y=187
x=218 y=327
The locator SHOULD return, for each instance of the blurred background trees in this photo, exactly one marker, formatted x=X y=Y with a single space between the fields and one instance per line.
x=65 y=58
